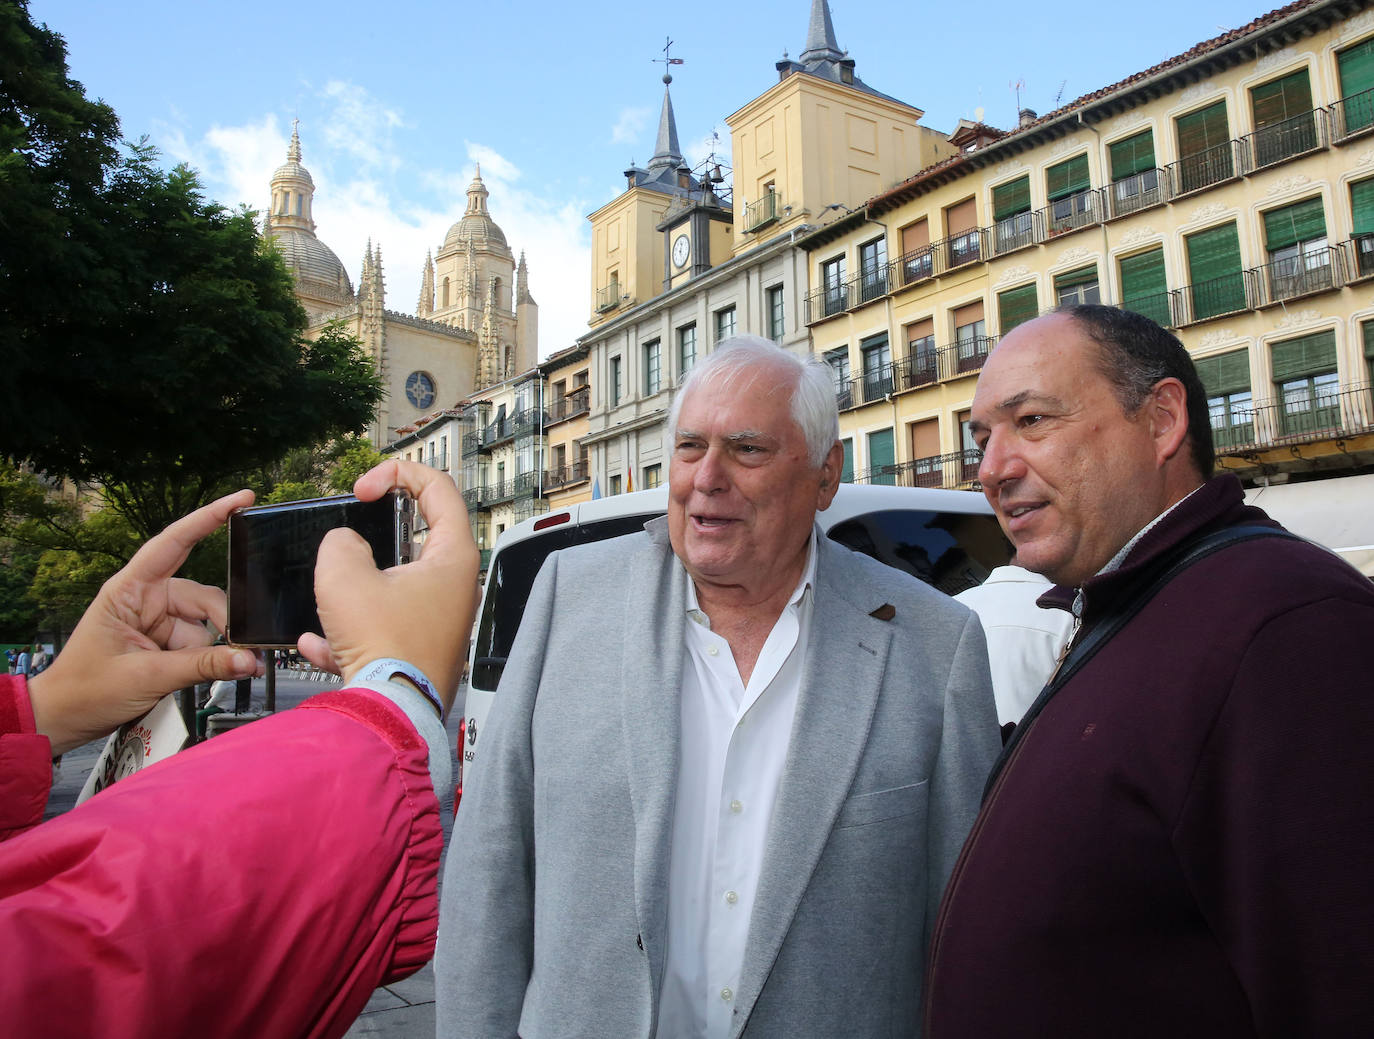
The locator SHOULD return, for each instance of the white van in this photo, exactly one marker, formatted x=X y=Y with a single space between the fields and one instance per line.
x=948 y=539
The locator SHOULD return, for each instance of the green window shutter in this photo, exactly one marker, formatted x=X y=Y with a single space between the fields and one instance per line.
x=1082 y=276
x=1310 y=355
x=847 y=472
x=1282 y=99
x=1143 y=275
x=1368 y=328
x=1202 y=129
x=1213 y=254
x=1226 y=373
x=1300 y=222
x=880 y=456
x=1067 y=178
x=1010 y=199
x=1133 y=155
x=1016 y=306
x=1357 y=68
x=1362 y=206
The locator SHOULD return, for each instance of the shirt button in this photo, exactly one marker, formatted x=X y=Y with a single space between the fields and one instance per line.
x=731 y=897
x=726 y=994
x=736 y=807
x=712 y=650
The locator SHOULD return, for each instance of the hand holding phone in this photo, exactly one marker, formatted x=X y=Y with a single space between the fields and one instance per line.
x=421 y=613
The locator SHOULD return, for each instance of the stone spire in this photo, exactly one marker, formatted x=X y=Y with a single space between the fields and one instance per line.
x=820 y=36
x=522 y=282
x=426 y=305
x=477 y=196
x=293 y=190
x=667 y=154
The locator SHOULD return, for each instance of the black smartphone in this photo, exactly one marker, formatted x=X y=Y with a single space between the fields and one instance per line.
x=272 y=551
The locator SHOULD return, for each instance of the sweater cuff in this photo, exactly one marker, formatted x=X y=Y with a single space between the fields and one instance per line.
x=421 y=714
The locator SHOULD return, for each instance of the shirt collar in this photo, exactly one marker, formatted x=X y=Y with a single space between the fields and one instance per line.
x=1116 y=560
x=806 y=582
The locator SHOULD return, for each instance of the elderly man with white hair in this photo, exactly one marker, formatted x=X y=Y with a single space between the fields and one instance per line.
x=730 y=763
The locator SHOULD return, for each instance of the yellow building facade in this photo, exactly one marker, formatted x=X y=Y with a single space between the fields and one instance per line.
x=1227 y=193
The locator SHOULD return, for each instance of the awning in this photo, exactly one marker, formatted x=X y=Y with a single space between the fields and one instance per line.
x=1337 y=513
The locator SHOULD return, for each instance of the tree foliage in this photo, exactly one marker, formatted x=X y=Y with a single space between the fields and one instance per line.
x=157 y=338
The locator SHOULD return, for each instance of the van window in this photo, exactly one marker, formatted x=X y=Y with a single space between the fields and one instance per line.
x=950 y=550
x=508 y=587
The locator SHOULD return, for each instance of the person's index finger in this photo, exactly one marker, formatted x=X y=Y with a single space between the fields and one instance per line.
x=162 y=555
x=435 y=492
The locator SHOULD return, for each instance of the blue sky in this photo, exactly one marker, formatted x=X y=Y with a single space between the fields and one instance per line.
x=397 y=102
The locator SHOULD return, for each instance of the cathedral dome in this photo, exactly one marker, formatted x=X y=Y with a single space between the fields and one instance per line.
x=476 y=225
x=312 y=262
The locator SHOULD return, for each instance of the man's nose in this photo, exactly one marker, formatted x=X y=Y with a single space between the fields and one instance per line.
x=999 y=462
x=710 y=471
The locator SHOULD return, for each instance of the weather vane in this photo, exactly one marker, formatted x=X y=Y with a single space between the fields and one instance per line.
x=668 y=61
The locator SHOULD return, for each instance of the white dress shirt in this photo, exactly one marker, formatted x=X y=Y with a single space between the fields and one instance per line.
x=734 y=745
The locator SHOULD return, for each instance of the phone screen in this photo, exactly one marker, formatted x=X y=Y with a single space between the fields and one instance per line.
x=272 y=551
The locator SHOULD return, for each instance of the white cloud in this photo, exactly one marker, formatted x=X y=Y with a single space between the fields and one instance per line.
x=359 y=125
x=630 y=126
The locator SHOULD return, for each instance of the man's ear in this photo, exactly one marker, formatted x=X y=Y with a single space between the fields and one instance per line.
x=830 y=476
x=1168 y=418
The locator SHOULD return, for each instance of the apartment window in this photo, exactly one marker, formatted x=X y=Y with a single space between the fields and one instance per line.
x=1285 y=124
x=1144 y=289
x=1217 y=285
x=1226 y=381
x=833 y=287
x=877 y=360
x=921 y=357
x=918 y=259
x=1016 y=307
x=1362 y=224
x=1135 y=178
x=1078 y=287
x=443 y=452
x=882 y=458
x=560 y=463
x=1367 y=330
x=725 y=323
x=838 y=360
x=1204 y=148
x=614 y=388
x=1066 y=185
x=653 y=476
x=686 y=349
x=615 y=484
x=972 y=457
x=432 y=454
x=847 y=468
x=873 y=269
x=772 y=308
x=1011 y=212
x=1356 y=67
x=1299 y=260
x=964 y=244
x=653 y=367
x=970 y=336
x=500 y=485
x=1305 y=377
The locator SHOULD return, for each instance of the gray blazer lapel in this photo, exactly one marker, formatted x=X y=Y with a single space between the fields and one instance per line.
x=651 y=679
x=847 y=654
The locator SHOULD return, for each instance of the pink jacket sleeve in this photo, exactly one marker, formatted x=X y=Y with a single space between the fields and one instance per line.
x=273 y=907
x=25 y=760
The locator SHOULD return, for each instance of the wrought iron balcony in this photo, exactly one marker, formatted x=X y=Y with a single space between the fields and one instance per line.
x=1352 y=115
x=1298 y=135
x=608 y=298
x=1228 y=294
x=1136 y=192
x=1072 y=212
x=916 y=266
x=1205 y=168
x=494 y=433
x=472 y=443
x=1294 y=276
x=961 y=250
x=1359 y=257
x=827 y=302
x=759 y=214
x=954 y=471
x=1301 y=416
x=1015 y=232
x=529 y=483
x=576 y=403
x=531 y=420
x=1163 y=308
x=872 y=284
x=567 y=474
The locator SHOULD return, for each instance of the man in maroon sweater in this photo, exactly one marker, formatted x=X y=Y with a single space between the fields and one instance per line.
x=1181 y=839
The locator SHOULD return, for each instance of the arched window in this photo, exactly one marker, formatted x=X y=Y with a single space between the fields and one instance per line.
x=445 y=293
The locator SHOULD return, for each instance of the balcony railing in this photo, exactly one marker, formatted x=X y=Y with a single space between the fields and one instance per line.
x=1205 y=168
x=1136 y=192
x=953 y=471
x=1015 y=232
x=922 y=366
x=472 y=443
x=567 y=474
x=871 y=284
x=915 y=266
x=608 y=298
x=1301 y=417
x=758 y=215
x=1294 y=276
x=495 y=432
x=961 y=250
x=1072 y=212
x=1352 y=115
x=574 y=404
x=1163 y=308
x=1284 y=140
x=1359 y=257
x=827 y=302
x=1225 y=295
x=529 y=483
x=530 y=420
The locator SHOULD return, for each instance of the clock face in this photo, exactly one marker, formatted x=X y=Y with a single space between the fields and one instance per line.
x=420 y=389
x=681 y=247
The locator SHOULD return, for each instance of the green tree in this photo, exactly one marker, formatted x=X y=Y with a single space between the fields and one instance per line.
x=352 y=457
x=157 y=337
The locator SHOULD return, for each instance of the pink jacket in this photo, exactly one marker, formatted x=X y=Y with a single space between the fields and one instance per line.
x=274 y=910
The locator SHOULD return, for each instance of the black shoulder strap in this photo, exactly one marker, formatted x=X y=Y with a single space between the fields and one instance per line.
x=1145 y=588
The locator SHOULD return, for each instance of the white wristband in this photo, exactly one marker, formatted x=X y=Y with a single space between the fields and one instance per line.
x=386 y=668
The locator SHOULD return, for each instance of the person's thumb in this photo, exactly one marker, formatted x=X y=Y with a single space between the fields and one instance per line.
x=342 y=568
x=179 y=668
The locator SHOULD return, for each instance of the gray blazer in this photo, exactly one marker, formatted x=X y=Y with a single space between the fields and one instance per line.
x=553 y=916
